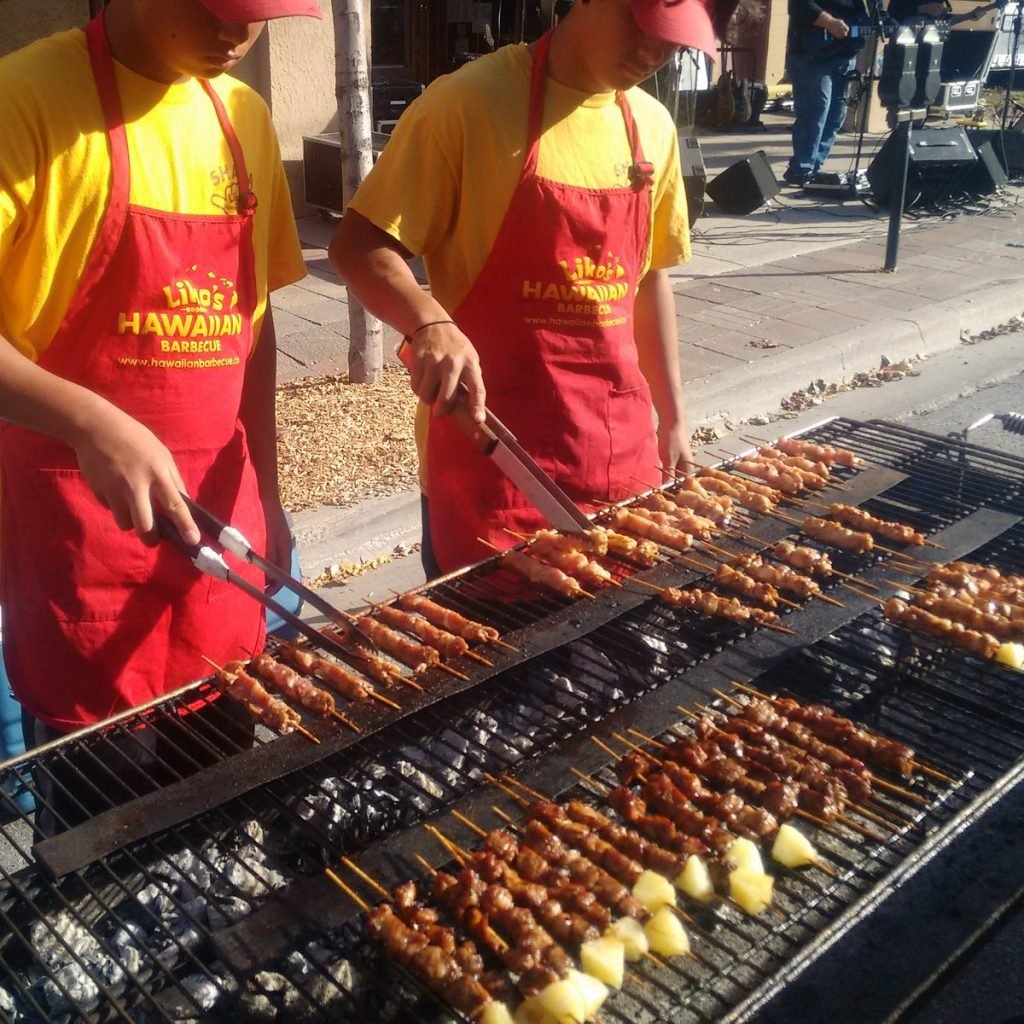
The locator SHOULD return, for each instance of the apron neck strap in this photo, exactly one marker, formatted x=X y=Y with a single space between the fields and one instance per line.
x=113 y=117
x=640 y=174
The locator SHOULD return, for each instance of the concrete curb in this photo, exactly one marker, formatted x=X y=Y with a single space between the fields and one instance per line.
x=757 y=390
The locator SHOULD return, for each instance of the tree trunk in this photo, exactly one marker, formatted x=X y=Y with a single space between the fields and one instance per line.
x=366 y=333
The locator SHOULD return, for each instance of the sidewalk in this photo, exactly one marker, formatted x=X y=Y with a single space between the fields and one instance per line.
x=791 y=294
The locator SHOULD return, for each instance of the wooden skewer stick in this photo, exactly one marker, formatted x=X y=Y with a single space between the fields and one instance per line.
x=471 y=825
x=587 y=780
x=357 y=870
x=535 y=793
x=858 y=827
x=450 y=845
x=648 y=739
x=505 y=789
x=353 y=896
x=384 y=700
x=345 y=720
x=638 y=749
x=452 y=671
x=863 y=593
x=934 y=773
x=604 y=746
x=732 y=700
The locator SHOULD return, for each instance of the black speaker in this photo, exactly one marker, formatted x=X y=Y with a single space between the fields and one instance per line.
x=934 y=154
x=985 y=176
x=695 y=176
x=1008 y=147
x=745 y=185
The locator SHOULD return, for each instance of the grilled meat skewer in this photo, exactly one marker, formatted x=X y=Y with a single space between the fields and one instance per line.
x=447 y=619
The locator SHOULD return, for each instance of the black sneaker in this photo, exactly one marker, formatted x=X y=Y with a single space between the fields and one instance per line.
x=794 y=178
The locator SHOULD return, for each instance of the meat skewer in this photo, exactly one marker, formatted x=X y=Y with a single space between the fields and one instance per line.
x=287 y=681
x=548 y=546
x=786 y=480
x=717 y=510
x=820 y=453
x=449 y=645
x=335 y=675
x=643 y=526
x=802 y=469
x=233 y=680
x=543 y=575
x=707 y=602
x=983 y=644
x=754 y=496
x=445 y=618
x=957 y=610
x=782 y=577
x=859 y=519
x=802 y=462
x=416 y=656
x=838 y=536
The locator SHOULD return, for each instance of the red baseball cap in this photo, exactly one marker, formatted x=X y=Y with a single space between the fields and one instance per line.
x=248 y=11
x=683 y=22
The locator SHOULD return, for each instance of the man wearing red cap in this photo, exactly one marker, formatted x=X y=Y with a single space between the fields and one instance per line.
x=544 y=192
x=144 y=218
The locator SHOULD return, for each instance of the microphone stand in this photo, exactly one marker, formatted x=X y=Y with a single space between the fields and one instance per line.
x=1013 y=62
x=864 y=101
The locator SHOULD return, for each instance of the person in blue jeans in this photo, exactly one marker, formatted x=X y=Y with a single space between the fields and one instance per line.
x=820 y=51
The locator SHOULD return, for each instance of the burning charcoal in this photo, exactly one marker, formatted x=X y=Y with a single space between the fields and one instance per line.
x=227 y=910
x=199 y=994
x=6 y=1003
x=56 y=941
x=130 y=936
x=80 y=988
x=156 y=901
x=269 y=981
x=256 y=1008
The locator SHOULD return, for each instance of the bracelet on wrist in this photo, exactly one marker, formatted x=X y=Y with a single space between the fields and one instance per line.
x=431 y=323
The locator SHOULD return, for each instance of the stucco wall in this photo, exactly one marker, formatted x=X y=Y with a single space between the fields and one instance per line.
x=291 y=66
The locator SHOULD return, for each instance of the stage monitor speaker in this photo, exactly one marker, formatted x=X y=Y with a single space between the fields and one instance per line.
x=1008 y=147
x=745 y=185
x=934 y=153
x=985 y=176
x=695 y=176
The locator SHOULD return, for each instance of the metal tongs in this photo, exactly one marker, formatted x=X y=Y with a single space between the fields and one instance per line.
x=1011 y=421
x=211 y=562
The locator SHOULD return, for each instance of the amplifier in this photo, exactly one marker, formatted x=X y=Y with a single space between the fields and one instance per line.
x=933 y=153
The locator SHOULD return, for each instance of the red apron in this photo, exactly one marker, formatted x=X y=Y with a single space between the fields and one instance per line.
x=551 y=316
x=161 y=325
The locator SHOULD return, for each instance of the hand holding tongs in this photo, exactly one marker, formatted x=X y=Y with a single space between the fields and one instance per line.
x=211 y=562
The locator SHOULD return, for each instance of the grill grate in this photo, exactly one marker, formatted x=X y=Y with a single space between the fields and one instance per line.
x=226 y=915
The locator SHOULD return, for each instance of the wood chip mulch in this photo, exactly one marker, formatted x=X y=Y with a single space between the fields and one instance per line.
x=339 y=443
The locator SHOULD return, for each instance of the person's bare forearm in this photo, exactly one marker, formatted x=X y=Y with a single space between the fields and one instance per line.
x=375 y=268
x=443 y=363
x=127 y=467
x=657 y=343
x=258 y=414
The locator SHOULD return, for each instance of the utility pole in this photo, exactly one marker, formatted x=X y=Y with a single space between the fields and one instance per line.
x=366 y=332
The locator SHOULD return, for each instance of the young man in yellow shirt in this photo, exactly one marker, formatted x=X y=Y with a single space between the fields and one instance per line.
x=144 y=219
x=544 y=192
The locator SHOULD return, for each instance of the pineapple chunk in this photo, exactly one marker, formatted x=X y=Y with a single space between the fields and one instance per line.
x=605 y=959
x=666 y=933
x=654 y=891
x=792 y=848
x=630 y=932
x=563 y=1002
x=743 y=853
x=594 y=992
x=496 y=1013
x=695 y=881
x=752 y=890
x=1011 y=654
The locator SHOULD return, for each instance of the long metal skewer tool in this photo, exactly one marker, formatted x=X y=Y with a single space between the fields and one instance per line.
x=212 y=563
x=233 y=540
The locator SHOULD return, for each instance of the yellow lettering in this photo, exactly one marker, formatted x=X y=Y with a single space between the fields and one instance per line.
x=128 y=323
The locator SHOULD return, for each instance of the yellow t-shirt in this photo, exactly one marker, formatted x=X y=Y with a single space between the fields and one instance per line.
x=55 y=175
x=443 y=182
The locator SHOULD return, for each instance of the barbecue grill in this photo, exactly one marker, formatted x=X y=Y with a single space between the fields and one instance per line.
x=197 y=890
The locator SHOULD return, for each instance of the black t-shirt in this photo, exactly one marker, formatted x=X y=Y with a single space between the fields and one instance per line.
x=807 y=41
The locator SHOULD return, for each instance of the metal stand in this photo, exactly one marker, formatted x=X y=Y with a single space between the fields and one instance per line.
x=1009 y=104
x=899 y=194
